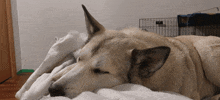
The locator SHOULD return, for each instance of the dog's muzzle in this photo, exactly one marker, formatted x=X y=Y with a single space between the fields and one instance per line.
x=56 y=90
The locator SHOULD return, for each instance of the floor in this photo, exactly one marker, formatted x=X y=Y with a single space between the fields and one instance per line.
x=11 y=86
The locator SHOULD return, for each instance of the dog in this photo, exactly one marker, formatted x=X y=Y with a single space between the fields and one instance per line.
x=188 y=65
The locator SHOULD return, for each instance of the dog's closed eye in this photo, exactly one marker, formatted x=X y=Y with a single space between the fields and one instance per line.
x=78 y=59
x=98 y=71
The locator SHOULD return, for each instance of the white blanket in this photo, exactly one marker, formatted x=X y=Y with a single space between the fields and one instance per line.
x=121 y=92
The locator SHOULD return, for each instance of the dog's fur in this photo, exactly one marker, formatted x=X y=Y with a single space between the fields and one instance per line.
x=188 y=65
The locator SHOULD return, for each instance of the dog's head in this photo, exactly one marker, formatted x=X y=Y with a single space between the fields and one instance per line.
x=109 y=58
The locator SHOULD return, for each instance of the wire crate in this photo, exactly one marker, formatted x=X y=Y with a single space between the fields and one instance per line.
x=162 y=26
x=169 y=27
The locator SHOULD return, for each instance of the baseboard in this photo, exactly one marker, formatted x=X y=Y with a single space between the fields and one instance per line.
x=25 y=71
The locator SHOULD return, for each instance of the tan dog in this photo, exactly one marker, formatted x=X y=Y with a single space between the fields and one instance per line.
x=188 y=65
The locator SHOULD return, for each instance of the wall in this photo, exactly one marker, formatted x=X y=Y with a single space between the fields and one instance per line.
x=16 y=34
x=41 y=20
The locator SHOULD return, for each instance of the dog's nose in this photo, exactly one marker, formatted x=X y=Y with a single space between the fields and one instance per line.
x=56 y=90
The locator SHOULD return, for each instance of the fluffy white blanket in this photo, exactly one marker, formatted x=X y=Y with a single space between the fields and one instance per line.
x=121 y=92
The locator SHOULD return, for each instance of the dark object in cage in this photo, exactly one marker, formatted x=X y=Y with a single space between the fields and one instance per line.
x=159 y=22
x=191 y=24
x=198 y=19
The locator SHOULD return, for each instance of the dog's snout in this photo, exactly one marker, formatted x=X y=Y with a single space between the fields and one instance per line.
x=56 y=90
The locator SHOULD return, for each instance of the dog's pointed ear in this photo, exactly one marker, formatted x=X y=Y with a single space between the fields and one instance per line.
x=92 y=25
x=150 y=60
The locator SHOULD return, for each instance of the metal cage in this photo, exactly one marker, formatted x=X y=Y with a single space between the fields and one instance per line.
x=169 y=27
x=162 y=26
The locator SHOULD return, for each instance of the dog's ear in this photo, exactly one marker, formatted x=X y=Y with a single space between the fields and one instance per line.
x=148 y=61
x=92 y=25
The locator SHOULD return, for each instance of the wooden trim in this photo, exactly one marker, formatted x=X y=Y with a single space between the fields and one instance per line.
x=11 y=38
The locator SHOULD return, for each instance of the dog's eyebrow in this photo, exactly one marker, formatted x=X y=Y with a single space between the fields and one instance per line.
x=97 y=47
x=98 y=64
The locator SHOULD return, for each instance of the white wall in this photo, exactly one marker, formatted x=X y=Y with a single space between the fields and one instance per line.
x=16 y=34
x=41 y=20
